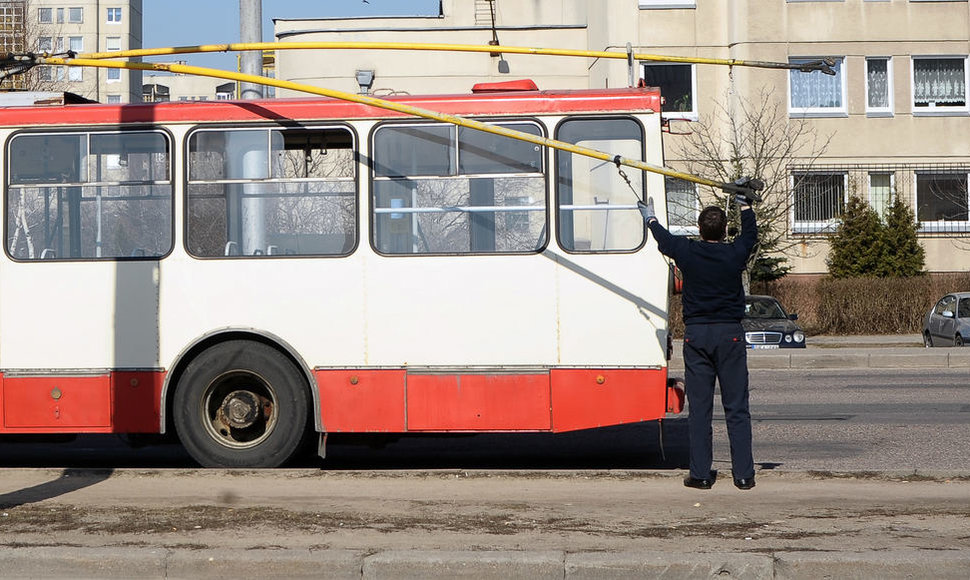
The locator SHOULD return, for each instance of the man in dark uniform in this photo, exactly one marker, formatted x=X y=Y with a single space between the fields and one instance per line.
x=714 y=348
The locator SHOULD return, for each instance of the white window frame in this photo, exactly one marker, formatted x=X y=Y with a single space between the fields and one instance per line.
x=934 y=111
x=45 y=44
x=45 y=11
x=666 y=4
x=680 y=229
x=685 y=115
x=112 y=11
x=816 y=226
x=71 y=44
x=941 y=225
x=881 y=111
x=892 y=190
x=113 y=98
x=113 y=75
x=60 y=15
x=804 y=112
x=75 y=74
x=80 y=15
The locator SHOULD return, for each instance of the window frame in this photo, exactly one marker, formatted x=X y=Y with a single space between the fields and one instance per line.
x=892 y=191
x=86 y=181
x=887 y=111
x=269 y=128
x=50 y=15
x=554 y=170
x=691 y=115
x=818 y=112
x=110 y=12
x=682 y=229
x=667 y=4
x=935 y=111
x=79 y=11
x=942 y=226
x=543 y=173
x=816 y=227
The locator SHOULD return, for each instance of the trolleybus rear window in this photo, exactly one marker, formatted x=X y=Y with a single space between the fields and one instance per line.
x=589 y=190
x=104 y=195
x=272 y=192
x=442 y=189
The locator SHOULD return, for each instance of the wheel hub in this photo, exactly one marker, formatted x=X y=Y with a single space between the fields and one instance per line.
x=240 y=409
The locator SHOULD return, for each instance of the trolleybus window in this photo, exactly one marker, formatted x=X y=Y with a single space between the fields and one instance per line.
x=589 y=189
x=441 y=189
x=104 y=195
x=271 y=192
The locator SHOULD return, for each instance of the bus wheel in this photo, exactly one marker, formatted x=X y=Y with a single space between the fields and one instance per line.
x=242 y=404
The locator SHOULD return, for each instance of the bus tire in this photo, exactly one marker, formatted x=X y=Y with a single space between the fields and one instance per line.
x=242 y=404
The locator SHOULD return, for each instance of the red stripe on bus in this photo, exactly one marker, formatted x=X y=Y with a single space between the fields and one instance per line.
x=514 y=103
x=116 y=402
x=394 y=401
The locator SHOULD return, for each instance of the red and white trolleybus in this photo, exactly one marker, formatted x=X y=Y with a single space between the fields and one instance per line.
x=249 y=274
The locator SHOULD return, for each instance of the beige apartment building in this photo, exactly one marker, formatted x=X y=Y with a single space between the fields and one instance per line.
x=896 y=111
x=57 y=26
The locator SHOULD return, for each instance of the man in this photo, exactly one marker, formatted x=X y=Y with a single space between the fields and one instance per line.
x=714 y=348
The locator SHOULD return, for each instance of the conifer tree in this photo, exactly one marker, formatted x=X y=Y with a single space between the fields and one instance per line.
x=857 y=248
x=903 y=254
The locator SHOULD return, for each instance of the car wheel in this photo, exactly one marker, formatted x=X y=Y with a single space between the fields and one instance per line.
x=958 y=340
x=927 y=341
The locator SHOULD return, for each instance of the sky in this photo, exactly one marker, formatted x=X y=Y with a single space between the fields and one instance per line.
x=191 y=22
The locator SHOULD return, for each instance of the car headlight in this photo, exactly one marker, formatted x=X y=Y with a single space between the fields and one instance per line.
x=799 y=336
x=787 y=338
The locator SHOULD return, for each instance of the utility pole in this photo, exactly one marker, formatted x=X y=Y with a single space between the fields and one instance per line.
x=251 y=61
x=248 y=158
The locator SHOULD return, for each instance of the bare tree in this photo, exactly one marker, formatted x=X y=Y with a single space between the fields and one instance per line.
x=21 y=31
x=754 y=138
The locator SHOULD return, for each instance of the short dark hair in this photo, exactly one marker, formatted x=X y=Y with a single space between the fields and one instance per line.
x=712 y=223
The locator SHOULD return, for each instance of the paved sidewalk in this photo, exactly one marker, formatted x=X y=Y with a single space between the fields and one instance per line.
x=840 y=352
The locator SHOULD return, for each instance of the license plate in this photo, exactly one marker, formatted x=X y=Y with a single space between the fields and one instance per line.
x=763 y=346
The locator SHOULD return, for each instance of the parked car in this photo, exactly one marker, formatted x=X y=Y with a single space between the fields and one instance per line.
x=767 y=324
x=948 y=323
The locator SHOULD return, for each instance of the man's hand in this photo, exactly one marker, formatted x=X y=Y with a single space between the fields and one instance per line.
x=646 y=209
x=742 y=200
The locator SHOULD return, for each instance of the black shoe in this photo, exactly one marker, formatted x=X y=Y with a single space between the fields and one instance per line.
x=744 y=482
x=701 y=483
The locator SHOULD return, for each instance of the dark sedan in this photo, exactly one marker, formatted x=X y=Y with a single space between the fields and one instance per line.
x=767 y=325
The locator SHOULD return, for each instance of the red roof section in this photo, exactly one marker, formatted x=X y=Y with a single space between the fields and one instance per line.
x=492 y=103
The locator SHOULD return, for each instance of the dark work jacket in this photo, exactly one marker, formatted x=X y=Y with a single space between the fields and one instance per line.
x=713 y=291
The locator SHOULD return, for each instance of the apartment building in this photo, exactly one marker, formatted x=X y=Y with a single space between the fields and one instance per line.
x=57 y=26
x=895 y=112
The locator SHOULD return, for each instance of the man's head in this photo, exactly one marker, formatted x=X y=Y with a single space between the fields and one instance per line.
x=712 y=224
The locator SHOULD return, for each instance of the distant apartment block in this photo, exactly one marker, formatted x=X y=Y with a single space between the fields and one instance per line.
x=80 y=26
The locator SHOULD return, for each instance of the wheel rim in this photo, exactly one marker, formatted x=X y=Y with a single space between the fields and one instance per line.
x=239 y=409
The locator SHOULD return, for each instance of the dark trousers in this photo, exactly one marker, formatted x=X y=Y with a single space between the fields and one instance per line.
x=717 y=351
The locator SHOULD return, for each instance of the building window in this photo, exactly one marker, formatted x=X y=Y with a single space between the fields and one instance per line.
x=815 y=94
x=677 y=84
x=75 y=15
x=942 y=202
x=45 y=73
x=879 y=87
x=819 y=200
x=45 y=44
x=114 y=98
x=939 y=84
x=45 y=15
x=682 y=206
x=60 y=16
x=648 y=4
x=75 y=74
x=114 y=15
x=76 y=43
x=881 y=193
x=114 y=74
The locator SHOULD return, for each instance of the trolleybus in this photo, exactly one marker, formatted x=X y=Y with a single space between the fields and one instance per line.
x=253 y=274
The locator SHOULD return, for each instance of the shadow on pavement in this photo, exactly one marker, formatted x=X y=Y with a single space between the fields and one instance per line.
x=69 y=480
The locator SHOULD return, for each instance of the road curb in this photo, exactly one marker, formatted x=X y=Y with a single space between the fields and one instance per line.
x=133 y=562
x=848 y=358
